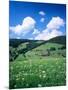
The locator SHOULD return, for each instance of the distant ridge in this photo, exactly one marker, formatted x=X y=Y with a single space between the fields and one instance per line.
x=59 y=40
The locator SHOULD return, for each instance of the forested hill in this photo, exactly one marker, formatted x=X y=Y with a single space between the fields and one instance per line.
x=16 y=42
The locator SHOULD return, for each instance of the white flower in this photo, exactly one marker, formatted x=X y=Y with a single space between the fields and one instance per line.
x=44 y=76
x=40 y=76
x=22 y=78
x=14 y=85
x=39 y=85
x=27 y=84
x=17 y=79
x=43 y=71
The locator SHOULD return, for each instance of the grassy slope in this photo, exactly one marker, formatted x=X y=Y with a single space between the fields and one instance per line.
x=36 y=70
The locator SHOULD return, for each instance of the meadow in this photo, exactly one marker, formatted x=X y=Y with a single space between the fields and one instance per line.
x=37 y=65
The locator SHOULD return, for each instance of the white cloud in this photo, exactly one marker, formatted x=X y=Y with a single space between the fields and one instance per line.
x=35 y=32
x=18 y=37
x=55 y=23
x=17 y=29
x=30 y=38
x=27 y=25
x=42 y=19
x=42 y=13
x=52 y=29
x=48 y=35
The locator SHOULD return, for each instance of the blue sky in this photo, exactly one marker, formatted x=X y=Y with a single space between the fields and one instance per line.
x=37 y=21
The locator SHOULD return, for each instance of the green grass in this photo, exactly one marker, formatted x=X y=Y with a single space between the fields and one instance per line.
x=49 y=45
x=35 y=70
x=37 y=73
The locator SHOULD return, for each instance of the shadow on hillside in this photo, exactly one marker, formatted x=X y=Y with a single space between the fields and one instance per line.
x=34 y=44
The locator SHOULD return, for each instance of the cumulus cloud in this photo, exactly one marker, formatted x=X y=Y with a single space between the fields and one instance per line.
x=52 y=29
x=55 y=23
x=48 y=35
x=42 y=13
x=27 y=25
x=36 y=31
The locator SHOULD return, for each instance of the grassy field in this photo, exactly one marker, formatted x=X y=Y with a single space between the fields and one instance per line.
x=37 y=73
x=37 y=69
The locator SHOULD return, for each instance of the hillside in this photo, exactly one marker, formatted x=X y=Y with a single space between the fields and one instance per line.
x=16 y=42
x=24 y=45
x=35 y=63
x=59 y=40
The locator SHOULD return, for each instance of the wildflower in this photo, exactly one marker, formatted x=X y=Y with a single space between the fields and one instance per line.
x=27 y=84
x=44 y=76
x=17 y=79
x=22 y=78
x=39 y=85
x=43 y=71
x=17 y=76
x=40 y=76
x=14 y=85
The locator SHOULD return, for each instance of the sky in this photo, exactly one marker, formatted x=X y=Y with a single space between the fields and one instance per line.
x=36 y=21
